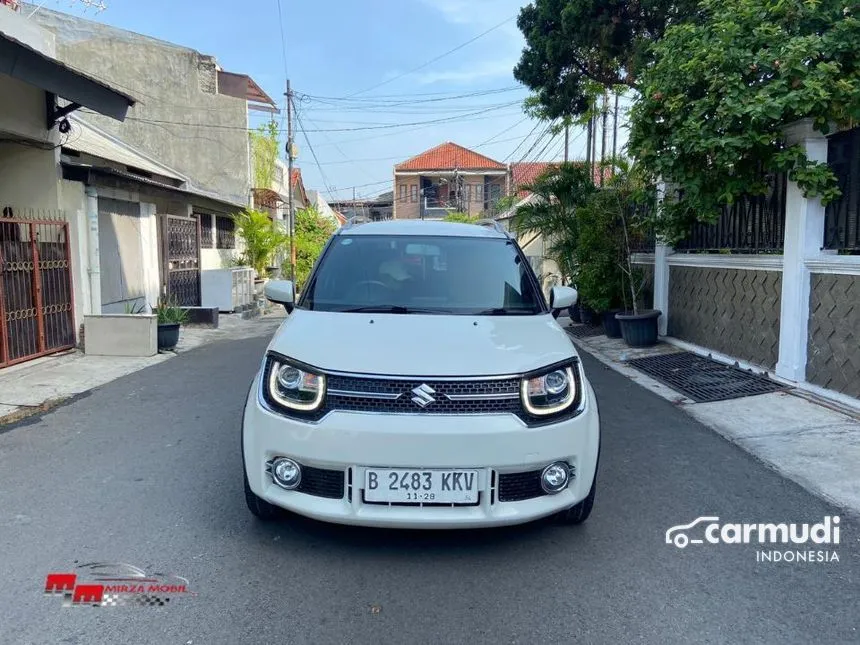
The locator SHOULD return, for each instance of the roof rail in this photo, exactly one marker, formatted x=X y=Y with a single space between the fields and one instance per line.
x=489 y=221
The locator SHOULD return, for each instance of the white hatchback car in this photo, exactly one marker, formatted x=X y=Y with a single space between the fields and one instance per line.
x=421 y=381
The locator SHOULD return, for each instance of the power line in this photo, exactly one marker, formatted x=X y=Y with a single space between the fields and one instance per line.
x=283 y=39
x=214 y=126
x=433 y=60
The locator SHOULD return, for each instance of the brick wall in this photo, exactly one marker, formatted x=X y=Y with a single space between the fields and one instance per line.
x=732 y=311
x=833 y=350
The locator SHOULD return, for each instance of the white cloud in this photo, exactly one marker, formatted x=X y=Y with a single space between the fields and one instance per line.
x=442 y=72
x=476 y=12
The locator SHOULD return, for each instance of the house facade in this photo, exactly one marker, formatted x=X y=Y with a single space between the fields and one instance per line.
x=42 y=265
x=445 y=179
x=193 y=118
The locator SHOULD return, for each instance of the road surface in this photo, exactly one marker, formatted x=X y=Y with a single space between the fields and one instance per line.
x=147 y=470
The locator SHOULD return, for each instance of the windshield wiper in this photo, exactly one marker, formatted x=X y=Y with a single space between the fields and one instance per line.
x=502 y=311
x=391 y=309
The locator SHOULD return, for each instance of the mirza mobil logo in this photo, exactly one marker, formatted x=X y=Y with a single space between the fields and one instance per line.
x=782 y=542
x=112 y=584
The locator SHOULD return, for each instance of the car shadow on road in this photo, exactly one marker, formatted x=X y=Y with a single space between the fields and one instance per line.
x=293 y=531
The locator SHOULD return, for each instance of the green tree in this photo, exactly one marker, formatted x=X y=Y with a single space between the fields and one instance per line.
x=715 y=103
x=264 y=152
x=573 y=45
x=312 y=232
x=262 y=239
x=558 y=192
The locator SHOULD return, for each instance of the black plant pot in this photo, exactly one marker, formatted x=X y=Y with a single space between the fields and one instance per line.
x=574 y=313
x=639 y=330
x=168 y=335
x=611 y=326
x=586 y=315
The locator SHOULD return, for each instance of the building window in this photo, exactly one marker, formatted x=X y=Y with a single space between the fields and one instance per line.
x=479 y=193
x=206 y=241
x=402 y=192
x=224 y=229
x=413 y=190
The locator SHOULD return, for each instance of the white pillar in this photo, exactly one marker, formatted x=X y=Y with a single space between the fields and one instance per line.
x=804 y=237
x=149 y=253
x=93 y=251
x=661 y=272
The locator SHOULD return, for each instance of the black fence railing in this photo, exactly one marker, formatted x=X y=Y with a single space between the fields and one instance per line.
x=842 y=218
x=753 y=224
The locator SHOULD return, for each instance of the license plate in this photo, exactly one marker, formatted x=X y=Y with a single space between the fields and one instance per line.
x=428 y=486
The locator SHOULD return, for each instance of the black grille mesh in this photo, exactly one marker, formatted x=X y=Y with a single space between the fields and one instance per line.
x=515 y=487
x=404 y=403
x=321 y=482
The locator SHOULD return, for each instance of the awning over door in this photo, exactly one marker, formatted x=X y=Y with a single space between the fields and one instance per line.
x=21 y=61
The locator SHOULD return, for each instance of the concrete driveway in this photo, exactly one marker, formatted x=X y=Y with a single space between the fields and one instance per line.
x=146 y=470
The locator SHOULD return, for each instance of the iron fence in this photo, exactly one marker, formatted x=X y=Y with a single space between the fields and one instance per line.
x=36 y=298
x=753 y=224
x=842 y=218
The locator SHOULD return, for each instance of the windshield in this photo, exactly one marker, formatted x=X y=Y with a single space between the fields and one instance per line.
x=414 y=274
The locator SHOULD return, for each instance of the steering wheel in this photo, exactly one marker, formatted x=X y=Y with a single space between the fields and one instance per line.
x=376 y=284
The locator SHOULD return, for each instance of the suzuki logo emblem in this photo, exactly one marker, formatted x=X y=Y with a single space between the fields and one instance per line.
x=423 y=395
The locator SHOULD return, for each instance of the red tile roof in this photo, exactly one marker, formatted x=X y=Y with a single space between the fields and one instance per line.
x=296 y=180
x=525 y=173
x=450 y=156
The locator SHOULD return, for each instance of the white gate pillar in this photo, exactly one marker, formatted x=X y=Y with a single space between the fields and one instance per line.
x=804 y=238
x=661 y=271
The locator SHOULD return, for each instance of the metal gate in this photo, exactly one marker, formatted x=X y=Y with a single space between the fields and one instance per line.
x=181 y=239
x=36 y=298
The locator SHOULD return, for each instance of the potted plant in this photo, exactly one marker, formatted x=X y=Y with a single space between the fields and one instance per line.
x=634 y=203
x=263 y=238
x=170 y=318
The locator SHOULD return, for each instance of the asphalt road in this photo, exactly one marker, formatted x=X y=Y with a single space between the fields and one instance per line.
x=147 y=471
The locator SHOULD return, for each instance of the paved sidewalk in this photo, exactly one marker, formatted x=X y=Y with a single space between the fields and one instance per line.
x=811 y=441
x=39 y=385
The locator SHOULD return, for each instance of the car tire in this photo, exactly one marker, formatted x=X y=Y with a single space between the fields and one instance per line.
x=578 y=513
x=258 y=506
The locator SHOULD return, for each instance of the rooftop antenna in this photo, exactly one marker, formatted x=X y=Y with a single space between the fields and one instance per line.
x=98 y=5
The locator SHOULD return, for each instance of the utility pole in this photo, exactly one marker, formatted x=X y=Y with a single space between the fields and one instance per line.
x=290 y=184
x=615 y=129
x=594 y=128
x=566 y=140
x=603 y=137
x=588 y=145
x=354 y=212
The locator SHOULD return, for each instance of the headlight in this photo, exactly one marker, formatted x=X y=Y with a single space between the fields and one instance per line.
x=549 y=393
x=294 y=388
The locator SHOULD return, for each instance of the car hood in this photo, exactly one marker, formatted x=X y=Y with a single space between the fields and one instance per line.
x=422 y=345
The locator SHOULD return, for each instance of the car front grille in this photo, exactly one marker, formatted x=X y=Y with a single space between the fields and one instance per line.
x=393 y=396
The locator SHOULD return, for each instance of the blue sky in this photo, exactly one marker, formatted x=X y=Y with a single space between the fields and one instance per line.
x=340 y=47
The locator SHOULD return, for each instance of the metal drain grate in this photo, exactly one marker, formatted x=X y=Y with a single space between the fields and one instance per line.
x=702 y=379
x=584 y=331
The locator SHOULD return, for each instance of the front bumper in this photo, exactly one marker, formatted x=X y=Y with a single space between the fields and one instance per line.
x=497 y=445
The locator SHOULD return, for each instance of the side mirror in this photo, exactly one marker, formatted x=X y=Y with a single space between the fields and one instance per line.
x=280 y=291
x=562 y=298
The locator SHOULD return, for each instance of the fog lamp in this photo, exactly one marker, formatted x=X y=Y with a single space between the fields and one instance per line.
x=555 y=477
x=286 y=473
